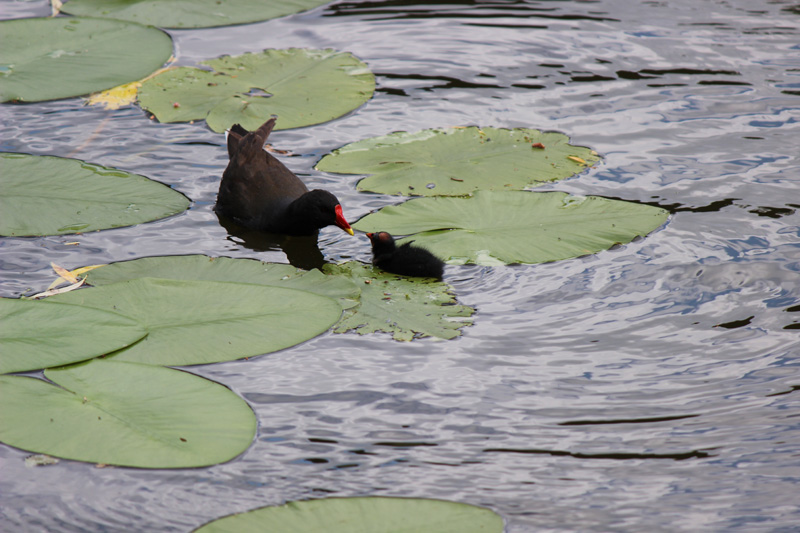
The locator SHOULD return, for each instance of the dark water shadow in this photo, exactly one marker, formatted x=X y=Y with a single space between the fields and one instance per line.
x=302 y=252
x=693 y=454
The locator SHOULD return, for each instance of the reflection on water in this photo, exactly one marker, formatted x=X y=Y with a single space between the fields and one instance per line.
x=301 y=251
x=652 y=387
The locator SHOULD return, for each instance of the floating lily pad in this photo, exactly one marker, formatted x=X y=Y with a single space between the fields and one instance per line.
x=125 y=414
x=495 y=228
x=49 y=58
x=190 y=13
x=301 y=86
x=459 y=161
x=45 y=195
x=36 y=335
x=199 y=322
x=399 y=306
x=368 y=514
x=202 y=267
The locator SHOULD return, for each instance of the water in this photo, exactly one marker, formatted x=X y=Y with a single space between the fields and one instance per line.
x=652 y=387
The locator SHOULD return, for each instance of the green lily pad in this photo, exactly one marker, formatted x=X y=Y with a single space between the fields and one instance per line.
x=44 y=195
x=404 y=308
x=190 y=13
x=199 y=322
x=36 y=335
x=125 y=414
x=495 y=228
x=459 y=161
x=49 y=58
x=202 y=267
x=301 y=86
x=367 y=514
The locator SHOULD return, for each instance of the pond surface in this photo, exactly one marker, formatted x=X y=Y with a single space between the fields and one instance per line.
x=652 y=387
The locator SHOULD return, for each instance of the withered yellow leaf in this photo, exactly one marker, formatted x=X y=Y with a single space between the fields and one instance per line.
x=121 y=95
x=116 y=97
x=51 y=292
x=64 y=273
x=67 y=275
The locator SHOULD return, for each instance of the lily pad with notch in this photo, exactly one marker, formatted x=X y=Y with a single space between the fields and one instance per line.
x=43 y=334
x=200 y=322
x=50 y=58
x=301 y=86
x=497 y=227
x=44 y=195
x=459 y=161
x=125 y=414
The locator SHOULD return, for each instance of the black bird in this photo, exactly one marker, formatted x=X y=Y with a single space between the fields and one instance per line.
x=257 y=191
x=406 y=259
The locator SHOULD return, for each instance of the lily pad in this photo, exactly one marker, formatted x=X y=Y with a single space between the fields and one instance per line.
x=202 y=267
x=459 y=161
x=49 y=58
x=495 y=228
x=125 y=414
x=301 y=86
x=199 y=322
x=36 y=335
x=190 y=13
x=43 y=195
x=368 y=514
x=404 y=308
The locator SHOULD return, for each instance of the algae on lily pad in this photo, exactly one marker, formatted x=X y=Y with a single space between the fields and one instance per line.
x=459 y=161
x=190 y=13
x=301 y=86
x=43 y=195
x=44 y=334
x=199 y=322
x=405 y=308
x=204 y=268
x=367 y=514
x=125 y=414
x=495 y=227
x=49 y=58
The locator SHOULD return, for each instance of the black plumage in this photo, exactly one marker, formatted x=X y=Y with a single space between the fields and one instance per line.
x=257 y=191
x=406 y=259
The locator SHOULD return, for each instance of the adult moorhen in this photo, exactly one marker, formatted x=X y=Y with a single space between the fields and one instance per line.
x=257 y=191
x=406 y=260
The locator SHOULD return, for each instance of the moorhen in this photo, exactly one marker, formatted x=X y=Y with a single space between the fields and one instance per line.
x=406 y=260
x=257 y=191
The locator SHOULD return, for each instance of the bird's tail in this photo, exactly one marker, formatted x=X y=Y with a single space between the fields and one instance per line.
x=239 y=138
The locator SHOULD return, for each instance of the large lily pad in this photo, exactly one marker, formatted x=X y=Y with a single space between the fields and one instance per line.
x=494 y=228
x=199 y=322
x=301 y=86
x=459 y=161
x=49 y=58
x=204 y=268
x=367 y=514
x=44 y=195
x=125 y=414
x=404 y=308
x=190 y=13
x=36 y=335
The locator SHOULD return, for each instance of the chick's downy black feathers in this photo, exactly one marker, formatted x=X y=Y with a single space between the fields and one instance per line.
x=406 y=259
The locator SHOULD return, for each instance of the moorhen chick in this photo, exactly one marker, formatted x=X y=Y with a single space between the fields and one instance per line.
x=406 y=260
x=257 y=191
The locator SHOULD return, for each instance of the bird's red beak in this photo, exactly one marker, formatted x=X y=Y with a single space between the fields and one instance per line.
x=340 y=220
